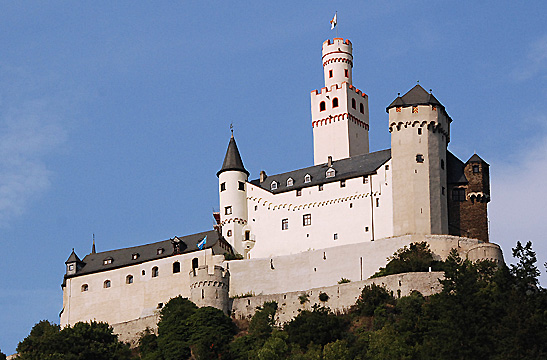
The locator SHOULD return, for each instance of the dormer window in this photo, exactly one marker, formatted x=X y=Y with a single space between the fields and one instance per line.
x=330 y=173
x=107 y=261
x=160 y=251
x=307 y=178
x=273 y=186
x=134 y=256
x=71 y=267
x=290 y=182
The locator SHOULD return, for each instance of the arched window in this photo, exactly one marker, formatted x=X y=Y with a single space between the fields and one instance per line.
x=362 y=108
x=85 y=287
x=247 y=235
x=155 y=271
x=322 y=106
x=229 y=233
x=195 y=263
x=290 y=182
x=176 y=267
x=107 y=284
x=353 y=104
x=335 y=102
x=129 y=279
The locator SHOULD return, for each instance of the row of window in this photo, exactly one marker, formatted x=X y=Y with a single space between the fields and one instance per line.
x=415 y=109
x=240 y=186
x=335 y=104
x=155 y=273
x=109 y=260
x=346 y=73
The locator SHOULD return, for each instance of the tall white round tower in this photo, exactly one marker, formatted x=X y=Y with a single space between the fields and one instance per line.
x=337 y=61
x=232 y=179
x=339 y=111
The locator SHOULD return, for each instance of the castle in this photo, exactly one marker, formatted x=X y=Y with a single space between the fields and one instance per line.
x=306 y=229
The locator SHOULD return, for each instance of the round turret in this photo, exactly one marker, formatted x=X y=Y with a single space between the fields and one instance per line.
x=485 y=251
x=337 y=61
x=210 y=289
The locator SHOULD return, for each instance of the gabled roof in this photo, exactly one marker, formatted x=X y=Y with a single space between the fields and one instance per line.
x=415 y=96
x=232 y=160
x=94 y=262
x=354 y=166
x=73 y=258
x=476 y=159
x=455 y=170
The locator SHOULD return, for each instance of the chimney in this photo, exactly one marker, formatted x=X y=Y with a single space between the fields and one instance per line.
x=329 y=163
x=263 y=176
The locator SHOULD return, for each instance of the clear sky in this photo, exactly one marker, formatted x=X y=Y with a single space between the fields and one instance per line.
x=114 y=116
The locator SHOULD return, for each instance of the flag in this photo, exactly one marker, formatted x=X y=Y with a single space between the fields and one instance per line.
x=202 y=243
x=333 y=22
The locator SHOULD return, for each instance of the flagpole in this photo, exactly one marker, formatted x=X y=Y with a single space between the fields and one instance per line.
x=336 y=14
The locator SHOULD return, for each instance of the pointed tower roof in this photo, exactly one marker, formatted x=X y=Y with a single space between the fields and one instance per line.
x=476 y=158
x=73 y=258
x=415 y=96
x=232 y=160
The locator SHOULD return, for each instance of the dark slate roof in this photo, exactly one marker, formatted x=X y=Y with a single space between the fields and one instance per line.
x=124 y=257
x=454 y=170
x=415 y=96
x=232 y=160
x=73 y=258
x=354 y=166
x=476 y=158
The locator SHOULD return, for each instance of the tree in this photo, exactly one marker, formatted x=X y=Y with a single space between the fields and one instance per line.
x=337 y=350
x=372 y=297
x=263 y=320
x=416 y=257
x=173 y=330
x=83 y=341
x=525 y=270
x=210 y=332
x=319 y=326
x=2 y=356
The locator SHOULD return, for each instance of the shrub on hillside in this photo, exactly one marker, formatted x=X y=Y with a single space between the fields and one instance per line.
x=413 y=258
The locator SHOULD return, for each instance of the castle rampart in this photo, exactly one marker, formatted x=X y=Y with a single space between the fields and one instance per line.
x=210 y=288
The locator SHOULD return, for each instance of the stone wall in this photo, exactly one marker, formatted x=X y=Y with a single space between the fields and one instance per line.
x=341 y=296
x=130 y=331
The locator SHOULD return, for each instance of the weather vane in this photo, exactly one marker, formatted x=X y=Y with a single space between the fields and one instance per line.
x=232 y=128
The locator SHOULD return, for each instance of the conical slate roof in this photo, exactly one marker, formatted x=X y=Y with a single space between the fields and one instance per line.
x=415 y=96
x=232 y=160
x=73 y=258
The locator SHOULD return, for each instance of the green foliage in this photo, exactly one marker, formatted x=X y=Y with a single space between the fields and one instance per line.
x=274 y=348
x=304 y=298
x=337 y=350
x=231 y=256
x=323 y=297
x=210 y=332
x=344 y=281
x=148 y=345
x=173 y=330
x=83 y=341
x=372 y=297
x=319 y=326
x=414 y=258
x=2 y=356
x=246 y=295
x=525 y=269
x=263 y=321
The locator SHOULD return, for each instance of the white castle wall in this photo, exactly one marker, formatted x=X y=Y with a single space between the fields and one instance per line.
x=325 y=267
x=341 y=296
x=124 y=302
x=345 y=211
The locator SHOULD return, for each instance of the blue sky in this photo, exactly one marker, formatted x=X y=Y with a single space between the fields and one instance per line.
x=114 y=116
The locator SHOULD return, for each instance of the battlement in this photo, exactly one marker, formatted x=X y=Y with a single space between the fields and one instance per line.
x=325 y=90
x=202 y=273
x=336 y=41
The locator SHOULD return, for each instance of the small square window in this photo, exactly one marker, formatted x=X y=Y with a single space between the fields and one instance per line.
x=285 y=224
x=320 y=187
x=229 y=233
x=306 y=219
x=299 y=192
x=346 y=73
x=228 y=210
x=476 y=169
x=366 y=228
x=419 y=158
x=330 y=73
x=256 y=207
x=365 y=179
x=419 y=131
x=387 y=167
x=241 y=185
x=223 y=186
x=335 y=236
x=342 y=183
x=377 y=202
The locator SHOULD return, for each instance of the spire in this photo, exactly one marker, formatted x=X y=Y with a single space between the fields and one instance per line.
x=232 y=160
x=73 y=258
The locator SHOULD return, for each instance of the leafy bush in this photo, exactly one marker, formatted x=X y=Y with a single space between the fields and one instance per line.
x=304 y=298
x=231 y=256
x=414 y=258
x=372 y=297
x=344 y=281
x=319 y=326
x=323 y=296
